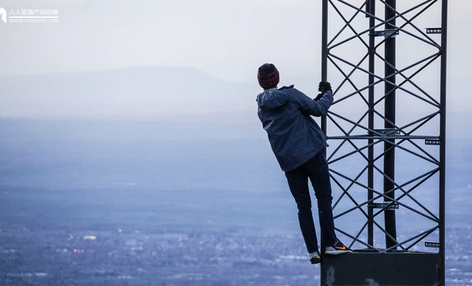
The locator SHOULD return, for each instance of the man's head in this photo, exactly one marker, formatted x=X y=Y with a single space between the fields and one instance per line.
x=268 y=76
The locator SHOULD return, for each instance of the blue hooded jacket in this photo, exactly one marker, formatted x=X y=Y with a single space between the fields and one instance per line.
x=294 y=136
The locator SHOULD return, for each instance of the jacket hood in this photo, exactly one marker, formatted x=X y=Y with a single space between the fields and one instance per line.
x=271 y=99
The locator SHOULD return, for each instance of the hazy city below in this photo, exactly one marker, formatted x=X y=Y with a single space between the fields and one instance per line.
x=194 y=198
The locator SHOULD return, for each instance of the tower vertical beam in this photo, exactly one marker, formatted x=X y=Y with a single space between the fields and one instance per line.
x=442 y=151
x=389 y=145
x=324 y=52
x=370 y=174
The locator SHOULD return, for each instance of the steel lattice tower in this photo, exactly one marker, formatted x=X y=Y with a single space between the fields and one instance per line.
x=386 y=60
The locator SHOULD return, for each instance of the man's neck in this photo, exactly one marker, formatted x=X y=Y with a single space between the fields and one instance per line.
x=270 y=88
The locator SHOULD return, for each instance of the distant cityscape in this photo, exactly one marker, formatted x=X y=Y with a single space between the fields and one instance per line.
x=132 y=257
x=170 y=257
x=113 y=203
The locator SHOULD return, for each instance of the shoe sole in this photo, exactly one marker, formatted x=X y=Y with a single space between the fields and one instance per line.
x=338 y=252
x=315 y=260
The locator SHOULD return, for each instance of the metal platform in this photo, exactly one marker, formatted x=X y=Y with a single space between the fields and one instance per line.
x=373 y=268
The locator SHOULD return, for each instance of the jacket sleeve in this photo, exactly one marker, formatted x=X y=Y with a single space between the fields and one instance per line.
x=314 y=107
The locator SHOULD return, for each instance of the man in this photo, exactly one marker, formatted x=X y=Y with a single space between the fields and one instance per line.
x=297 y=142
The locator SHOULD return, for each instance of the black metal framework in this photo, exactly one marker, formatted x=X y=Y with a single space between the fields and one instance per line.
x=386 y=60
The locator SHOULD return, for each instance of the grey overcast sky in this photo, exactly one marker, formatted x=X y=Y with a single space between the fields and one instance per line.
x=224 y=38
x=228 y=39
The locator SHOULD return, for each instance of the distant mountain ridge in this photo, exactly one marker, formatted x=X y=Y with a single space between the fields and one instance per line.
x=128 y=93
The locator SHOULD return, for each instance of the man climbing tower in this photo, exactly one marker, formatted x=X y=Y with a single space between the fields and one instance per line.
x=297 y=142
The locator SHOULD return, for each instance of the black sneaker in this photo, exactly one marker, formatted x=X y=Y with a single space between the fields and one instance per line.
x=315 y=258
x=336 y=249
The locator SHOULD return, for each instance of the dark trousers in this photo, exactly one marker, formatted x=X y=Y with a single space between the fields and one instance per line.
x=315 y=169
